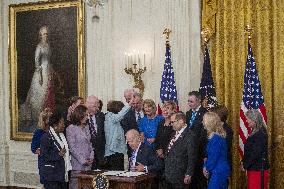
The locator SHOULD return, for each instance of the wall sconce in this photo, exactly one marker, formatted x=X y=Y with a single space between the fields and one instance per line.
x=135 y=66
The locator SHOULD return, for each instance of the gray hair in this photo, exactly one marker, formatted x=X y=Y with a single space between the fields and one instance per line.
x=256 y=117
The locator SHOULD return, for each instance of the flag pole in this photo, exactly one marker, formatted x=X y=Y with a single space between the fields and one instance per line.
x=168 y=89
x=167 y=32
x=248 y=30
x=205 y=32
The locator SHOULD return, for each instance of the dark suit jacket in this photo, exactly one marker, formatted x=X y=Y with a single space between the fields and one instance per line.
x=181 y=158
x=256 y=151
x=53 y=168
x=229 y=139
x=198 y=129
x=99 y=141
x=198 y=180
x=147 y=157
x=129 y=121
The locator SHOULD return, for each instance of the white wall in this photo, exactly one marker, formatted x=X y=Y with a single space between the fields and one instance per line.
x=123 y=25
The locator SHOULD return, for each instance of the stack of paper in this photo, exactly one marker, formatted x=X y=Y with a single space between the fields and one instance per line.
x=131 y=174
x=113 y=173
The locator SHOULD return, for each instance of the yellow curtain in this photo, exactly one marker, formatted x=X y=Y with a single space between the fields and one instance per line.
x=228 y=51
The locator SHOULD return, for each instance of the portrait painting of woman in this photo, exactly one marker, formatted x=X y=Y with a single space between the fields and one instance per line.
x=46 y=61
x=41 y=92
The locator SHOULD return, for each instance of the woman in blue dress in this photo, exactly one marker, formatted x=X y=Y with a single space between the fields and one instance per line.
x=35 y=145
x=148 y=125
x=216 y=166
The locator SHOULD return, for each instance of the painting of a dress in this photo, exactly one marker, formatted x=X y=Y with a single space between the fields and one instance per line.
x=41 y=93
x=46 y=60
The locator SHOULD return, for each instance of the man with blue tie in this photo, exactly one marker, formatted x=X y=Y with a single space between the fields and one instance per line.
x=194 y=119
x=143 y=158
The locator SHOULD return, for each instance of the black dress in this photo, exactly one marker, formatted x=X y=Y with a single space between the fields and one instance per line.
x=164 y=135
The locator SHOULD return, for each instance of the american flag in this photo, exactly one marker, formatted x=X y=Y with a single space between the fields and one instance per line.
x=252 y=99
x=168 y=89
x=207 y=87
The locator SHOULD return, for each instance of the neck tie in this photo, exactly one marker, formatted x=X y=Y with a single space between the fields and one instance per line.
x=131 y=161
x=92 y=127
x=193 y=115
x=173 y=140
x=138 y=116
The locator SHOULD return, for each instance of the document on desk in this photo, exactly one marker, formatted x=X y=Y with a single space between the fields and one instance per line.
x=113 y=173
x=131 y=174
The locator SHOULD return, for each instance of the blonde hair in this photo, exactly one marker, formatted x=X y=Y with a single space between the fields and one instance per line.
x=151 y=103
x=43 y=118
x=170 y=103
x=213 y=123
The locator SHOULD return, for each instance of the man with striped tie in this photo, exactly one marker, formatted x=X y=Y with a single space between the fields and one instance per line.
x=96 y=124
x=180 y=157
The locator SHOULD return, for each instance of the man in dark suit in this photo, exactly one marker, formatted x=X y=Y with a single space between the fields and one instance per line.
x=143 y=158
x=96 y=124
x=131 y=119
x=181 y=154
x=194 y=119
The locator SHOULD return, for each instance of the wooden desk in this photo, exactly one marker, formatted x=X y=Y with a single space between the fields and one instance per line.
x=147 y=181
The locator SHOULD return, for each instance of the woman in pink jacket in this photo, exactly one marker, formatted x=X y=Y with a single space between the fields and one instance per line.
x=78 y=137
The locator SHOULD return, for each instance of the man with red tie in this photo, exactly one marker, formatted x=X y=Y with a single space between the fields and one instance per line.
x=181 y=154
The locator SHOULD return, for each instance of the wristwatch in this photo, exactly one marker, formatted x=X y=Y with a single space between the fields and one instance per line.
x=146 y=169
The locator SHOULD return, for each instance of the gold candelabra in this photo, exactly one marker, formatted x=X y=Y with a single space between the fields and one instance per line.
x=134 y=67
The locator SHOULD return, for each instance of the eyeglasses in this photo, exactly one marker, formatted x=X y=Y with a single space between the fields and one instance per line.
x=190 y=101
x=172 y=122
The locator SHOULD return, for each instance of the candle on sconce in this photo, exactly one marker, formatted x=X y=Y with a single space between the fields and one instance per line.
x=143 y=61
x=128 y=61
x=139 y=61
x=133 y=57
x=125 y=60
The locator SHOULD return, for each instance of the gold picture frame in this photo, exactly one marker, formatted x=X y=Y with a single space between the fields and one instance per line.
x=46 y=59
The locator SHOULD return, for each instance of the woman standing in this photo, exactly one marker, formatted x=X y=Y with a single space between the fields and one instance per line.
x=35 y=145
x=216 y=166
x=55 y=152
x=148 y=125
x=165 y=129
x=255 y=158
x=41 y=92
x=223 y=112
x=78 y=137
x=115 y=147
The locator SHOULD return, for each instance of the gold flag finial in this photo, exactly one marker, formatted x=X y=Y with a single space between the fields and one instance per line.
x=167 y=32
x=248 y=30
x=205 y=33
